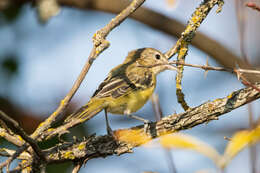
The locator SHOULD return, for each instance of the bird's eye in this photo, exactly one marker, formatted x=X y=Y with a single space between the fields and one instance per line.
x=157 y=56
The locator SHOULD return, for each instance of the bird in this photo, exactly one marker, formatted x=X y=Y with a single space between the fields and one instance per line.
x=127 y=87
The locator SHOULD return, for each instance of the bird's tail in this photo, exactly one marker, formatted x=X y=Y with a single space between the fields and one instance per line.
x=86 y=112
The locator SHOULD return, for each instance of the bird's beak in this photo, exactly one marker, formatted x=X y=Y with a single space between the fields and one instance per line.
x=170 y=67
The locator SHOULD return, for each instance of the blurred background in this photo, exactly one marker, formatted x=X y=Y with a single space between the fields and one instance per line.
x=40 y=61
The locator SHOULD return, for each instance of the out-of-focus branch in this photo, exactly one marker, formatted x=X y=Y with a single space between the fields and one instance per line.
x=167 y=25
x=254 y=6
x=156 y=107
x=242 y=16
x=157 y=21
x=158 y=116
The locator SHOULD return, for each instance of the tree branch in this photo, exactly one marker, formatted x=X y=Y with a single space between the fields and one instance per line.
x=127 y=139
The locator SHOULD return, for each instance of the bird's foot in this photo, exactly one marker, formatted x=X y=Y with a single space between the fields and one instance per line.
x=147 y=126
x=110 y=132
x=145 y=121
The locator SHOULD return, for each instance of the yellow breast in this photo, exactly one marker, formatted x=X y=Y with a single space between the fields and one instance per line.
x=130 y=103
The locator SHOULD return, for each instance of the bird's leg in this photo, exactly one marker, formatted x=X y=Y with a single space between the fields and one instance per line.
x=145 y=121
x=109 y=130
x=138 y=118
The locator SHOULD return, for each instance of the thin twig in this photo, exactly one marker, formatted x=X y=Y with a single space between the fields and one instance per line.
x=247 y=83
x=252 y=149
x=15 y=155
x=170 y=159
x=21 y=167
x=204 y=67
x=241 y=17
x=181 y=47
x=208 y=67
x=77 y=167
x=248 y=71
x=16 y=128
x=237 y=71
x=12 y=138
x=5 y=152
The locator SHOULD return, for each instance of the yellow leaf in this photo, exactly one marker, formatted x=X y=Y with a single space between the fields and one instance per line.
x=183 y=141
x=238 y=142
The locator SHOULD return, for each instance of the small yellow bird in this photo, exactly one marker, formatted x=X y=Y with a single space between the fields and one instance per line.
x=127 y=87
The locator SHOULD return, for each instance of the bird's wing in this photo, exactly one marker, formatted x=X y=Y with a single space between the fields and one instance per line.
x=113 y=87
x=119 y=85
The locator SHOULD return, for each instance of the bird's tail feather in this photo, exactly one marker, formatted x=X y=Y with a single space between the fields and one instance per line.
x=87 y=111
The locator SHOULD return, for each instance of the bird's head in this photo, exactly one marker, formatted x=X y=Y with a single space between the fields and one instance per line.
x=150 y=58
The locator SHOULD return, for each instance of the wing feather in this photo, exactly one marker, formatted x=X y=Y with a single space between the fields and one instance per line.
x=115 y=87
x=121 y=84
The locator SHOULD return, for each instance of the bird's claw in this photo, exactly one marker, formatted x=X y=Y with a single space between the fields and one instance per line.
x=146 y=126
